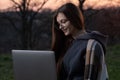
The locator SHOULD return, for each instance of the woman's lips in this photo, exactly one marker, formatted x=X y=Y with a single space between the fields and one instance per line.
x=64 y=30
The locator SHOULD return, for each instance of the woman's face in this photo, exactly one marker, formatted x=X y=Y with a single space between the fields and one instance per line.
x=65 y=25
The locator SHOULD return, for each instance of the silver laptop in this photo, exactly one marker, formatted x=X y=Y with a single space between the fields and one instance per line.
x=34 y=65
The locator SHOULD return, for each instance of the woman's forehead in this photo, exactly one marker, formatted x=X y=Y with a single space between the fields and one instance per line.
x=61 y=16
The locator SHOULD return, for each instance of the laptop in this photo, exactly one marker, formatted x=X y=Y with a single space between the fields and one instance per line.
x=34 y=65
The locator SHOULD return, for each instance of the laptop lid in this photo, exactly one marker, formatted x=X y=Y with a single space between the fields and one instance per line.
x=34 y=65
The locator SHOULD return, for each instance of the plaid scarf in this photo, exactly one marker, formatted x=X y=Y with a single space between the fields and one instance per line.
x=102 y=73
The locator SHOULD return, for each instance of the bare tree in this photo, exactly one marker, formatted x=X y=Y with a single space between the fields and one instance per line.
x=25 y=11
x=81 y=4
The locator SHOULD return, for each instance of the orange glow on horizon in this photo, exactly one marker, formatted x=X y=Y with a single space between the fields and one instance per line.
x=54 y=4
x=5 y=4
x=51 y=4
x=99 y=4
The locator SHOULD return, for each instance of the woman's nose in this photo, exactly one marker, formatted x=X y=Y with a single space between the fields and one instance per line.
x=61 y=26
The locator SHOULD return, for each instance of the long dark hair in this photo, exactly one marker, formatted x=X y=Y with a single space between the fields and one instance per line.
x=60 y=42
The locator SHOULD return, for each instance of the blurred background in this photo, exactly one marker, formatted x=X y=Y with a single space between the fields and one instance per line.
x=26 y=24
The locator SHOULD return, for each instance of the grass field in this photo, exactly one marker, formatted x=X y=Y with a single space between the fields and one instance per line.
x=6 y=68
x=112 y=59
x=113 y=62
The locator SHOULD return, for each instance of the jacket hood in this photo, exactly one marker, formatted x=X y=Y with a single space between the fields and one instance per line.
x=95 y=35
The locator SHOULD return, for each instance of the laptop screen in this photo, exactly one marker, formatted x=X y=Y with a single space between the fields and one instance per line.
x=34 y=65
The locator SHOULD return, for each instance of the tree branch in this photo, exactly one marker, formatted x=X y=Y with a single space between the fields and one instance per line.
x=81 y=2
x=39 y=8
x=15 y=2
x=28 y=3
x=17 y=6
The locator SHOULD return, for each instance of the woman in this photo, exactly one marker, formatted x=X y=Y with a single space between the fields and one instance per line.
x=69 y=41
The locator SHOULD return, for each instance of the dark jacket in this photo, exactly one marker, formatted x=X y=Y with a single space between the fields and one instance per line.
x=73 y=64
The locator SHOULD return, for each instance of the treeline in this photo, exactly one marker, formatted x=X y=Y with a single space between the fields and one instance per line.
x=104 y=20
x=11 y=38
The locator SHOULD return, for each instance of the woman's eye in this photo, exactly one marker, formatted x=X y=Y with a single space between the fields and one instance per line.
x=64 y=21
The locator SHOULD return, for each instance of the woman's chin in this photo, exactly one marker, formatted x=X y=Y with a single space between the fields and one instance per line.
x=66 y=33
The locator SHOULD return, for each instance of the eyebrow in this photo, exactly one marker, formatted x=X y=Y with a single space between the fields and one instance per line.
x=64 y=20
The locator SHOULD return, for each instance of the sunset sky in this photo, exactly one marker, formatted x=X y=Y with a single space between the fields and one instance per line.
x=4 y=4
x=53 y=4
x=95 y=4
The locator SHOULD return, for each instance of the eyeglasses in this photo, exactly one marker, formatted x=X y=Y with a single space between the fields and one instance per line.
x=58 y=24
x=63 y=21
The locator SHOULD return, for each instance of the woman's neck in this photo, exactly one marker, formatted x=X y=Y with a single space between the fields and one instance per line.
x=78 y=33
